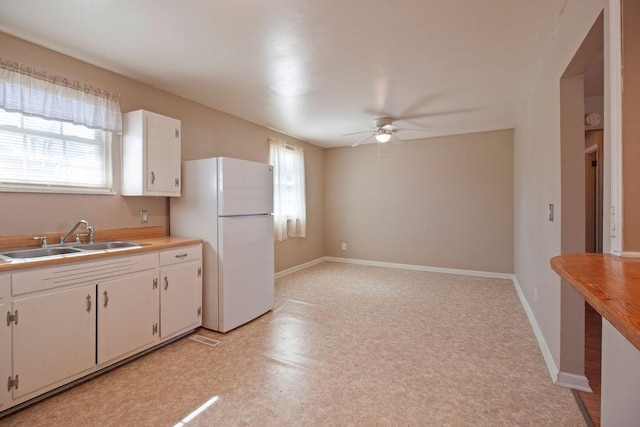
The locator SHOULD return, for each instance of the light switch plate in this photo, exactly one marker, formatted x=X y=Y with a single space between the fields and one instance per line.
x=144 y=217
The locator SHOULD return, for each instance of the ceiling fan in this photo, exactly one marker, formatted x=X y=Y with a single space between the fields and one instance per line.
x=384 y=131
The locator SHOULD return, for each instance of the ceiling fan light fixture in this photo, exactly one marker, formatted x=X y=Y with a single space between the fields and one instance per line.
x=382 y=136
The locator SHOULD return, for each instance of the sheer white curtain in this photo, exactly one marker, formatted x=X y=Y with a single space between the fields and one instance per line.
x=37 y=93
x=289 y=200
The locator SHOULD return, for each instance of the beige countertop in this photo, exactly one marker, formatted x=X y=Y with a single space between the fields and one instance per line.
x=151 y=243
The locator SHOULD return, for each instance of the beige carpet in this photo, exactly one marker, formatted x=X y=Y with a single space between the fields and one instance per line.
x=345 y=345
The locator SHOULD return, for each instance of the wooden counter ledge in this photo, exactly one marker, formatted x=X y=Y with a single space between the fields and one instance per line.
x=152 y=237
x=610 y=284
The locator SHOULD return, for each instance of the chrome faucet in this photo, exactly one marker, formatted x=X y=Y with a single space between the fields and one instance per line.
x=89 y=228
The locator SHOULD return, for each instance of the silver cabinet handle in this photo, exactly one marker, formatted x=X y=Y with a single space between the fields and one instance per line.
x=88 y=303
x=166 y=283
x=181 y=256
x=153 y=177
x=106 y=298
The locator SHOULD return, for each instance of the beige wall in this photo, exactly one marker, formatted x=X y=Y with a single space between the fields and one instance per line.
x=439 y=202
x=538 y=174
x=205 y=133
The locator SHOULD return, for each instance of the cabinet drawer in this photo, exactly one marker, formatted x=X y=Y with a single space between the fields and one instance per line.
x=78 y=273
x=178 y=255
x=5 y=286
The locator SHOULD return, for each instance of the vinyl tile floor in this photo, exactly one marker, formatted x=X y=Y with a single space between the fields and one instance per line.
x=344 y=345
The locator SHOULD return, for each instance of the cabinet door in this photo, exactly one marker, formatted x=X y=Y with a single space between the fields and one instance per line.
x=5 y=343
x=53 y=337
x=127 y=315
x=180 y=298
x=163 y=154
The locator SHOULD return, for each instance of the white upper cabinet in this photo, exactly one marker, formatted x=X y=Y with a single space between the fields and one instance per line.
x=150 y=155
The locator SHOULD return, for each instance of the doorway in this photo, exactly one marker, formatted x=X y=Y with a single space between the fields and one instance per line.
x=593 y=244
x=593 y=190
x=582 y=157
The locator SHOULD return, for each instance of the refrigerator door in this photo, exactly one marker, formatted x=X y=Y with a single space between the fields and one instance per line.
x=244 y=187
x=246 y=271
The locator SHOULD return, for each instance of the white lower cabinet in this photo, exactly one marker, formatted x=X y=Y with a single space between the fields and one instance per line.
x=61 y=323
x=127 y=315
x=180 y=290
x=180 y=298
x=5 y=342
x=53 y=338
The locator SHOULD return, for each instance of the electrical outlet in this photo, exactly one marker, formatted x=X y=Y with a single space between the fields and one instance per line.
x=535 y=294
x=344 y=246
x=551 y=212
x=144 y=217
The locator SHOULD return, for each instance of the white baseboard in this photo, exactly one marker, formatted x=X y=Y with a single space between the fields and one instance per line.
x=422 y=268
x=544 y=348
x=576 y=382
x=288 y=271
x=563 y=379
x=629 y=254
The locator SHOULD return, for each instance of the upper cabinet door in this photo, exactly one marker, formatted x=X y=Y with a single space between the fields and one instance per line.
x=150 y=155
x=163 y=149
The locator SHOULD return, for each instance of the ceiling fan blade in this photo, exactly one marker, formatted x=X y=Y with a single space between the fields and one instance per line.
x=419 y=104
x=362 y=140
x=437 y=113
x=356 y=133
x=376 y=113
x=411 y=130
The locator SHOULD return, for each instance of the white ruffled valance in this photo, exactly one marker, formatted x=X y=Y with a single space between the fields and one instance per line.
x=37 y=93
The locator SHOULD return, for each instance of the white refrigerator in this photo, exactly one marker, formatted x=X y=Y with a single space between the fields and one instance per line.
x=229 y=204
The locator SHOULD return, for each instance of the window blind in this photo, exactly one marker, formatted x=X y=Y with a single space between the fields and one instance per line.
x=50 y=155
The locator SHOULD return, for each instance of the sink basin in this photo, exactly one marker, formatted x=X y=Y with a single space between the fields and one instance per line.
x=38 y=253
x=79 y=249
x=107 y=245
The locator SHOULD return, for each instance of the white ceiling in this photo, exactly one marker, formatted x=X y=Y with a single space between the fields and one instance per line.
x=313 y=69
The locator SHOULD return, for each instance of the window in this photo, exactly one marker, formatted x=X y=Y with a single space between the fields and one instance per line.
x=55 y=133
x=50 y=155
x=289 y=201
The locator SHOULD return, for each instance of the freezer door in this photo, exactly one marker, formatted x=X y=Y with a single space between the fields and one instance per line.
x=246 y=272
x=244 y=187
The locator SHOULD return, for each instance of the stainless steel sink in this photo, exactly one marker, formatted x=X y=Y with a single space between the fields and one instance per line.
x=107 y=245
x=38 y=253
x=78 y=249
